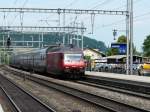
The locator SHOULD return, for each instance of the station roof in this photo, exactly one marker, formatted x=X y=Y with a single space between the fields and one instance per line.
x=120 y=56
x=116 y=57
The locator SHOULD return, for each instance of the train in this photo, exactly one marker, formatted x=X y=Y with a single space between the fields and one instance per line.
x=60 y=60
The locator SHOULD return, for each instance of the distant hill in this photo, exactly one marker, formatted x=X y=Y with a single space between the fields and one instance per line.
x=92 y=43
x=53 y=38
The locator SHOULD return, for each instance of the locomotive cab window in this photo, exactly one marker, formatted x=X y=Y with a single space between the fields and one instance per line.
x=74 y=57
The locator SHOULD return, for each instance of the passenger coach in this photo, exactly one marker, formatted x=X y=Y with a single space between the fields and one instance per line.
x=66 y=61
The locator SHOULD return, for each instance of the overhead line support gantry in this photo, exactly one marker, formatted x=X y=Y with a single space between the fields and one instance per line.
x=59 y=11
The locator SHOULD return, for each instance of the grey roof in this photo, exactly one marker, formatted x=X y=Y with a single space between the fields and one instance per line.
x=116 y=57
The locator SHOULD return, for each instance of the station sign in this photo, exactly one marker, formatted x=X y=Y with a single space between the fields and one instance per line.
x=122 y=47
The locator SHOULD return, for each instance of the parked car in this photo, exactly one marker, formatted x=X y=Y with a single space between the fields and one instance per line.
x=102 y=67
x=98 y=67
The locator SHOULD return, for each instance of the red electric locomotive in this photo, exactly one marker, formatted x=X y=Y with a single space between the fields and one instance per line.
x=66 y=61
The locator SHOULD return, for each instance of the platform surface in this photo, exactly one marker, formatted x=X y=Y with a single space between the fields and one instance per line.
x=120 y=76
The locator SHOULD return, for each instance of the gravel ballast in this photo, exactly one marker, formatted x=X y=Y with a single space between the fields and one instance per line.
x=128 y=99
x=59 y=101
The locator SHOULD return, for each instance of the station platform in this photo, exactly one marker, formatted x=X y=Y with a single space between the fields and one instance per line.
x=136 y=78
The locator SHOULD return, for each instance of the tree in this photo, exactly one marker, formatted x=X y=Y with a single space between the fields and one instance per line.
x=146 y=46
x=86 y=57
x=114 y=51
x=122 y=39
x=109 y=52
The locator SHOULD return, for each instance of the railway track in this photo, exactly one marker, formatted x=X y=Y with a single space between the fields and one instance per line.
x=21 y=100
x=108 y=104
x=127 y=87
x=7 y=104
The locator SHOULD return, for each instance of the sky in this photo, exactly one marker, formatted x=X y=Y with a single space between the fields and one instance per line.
x=103 y=24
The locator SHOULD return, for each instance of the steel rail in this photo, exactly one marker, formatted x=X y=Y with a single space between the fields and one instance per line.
x=94 y=84
x=11 y=100
x=112 y=104
x=29 y=94
x=133 y=86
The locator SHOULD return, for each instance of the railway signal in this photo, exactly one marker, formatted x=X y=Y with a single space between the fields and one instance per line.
x=8 y=42
x=114 y=33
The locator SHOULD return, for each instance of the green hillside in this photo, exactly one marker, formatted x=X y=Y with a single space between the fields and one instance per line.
x=51 y=38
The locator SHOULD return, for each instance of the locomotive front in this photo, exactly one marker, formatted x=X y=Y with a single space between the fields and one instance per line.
x=74 y=63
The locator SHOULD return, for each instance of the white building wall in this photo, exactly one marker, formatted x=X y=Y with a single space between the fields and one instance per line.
x=91 y=53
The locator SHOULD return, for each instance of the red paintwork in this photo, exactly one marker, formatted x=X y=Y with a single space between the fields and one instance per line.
x=75 y=64
x=56 y=64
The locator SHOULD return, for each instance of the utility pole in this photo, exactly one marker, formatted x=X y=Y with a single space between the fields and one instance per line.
x=64 y=29
x=64 y=38
x=131 y=36
x=129 y=20
x=21 y=20
x=59 y=22
x=77 y=37
x=71 y=35
x=92 y=22
x=127 y=36
x=39 y=40
x=82 y=33
x=68 y=38
x=42 y=40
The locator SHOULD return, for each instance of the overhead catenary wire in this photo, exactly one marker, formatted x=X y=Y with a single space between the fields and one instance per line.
x=72 y=3
x=98 y=4
x=122 y=20
x=64 y=16
x=14 y=3
x=124 y=6
x=25 y=2
x=95 y=3
x=102 y=3
x=118 y=21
